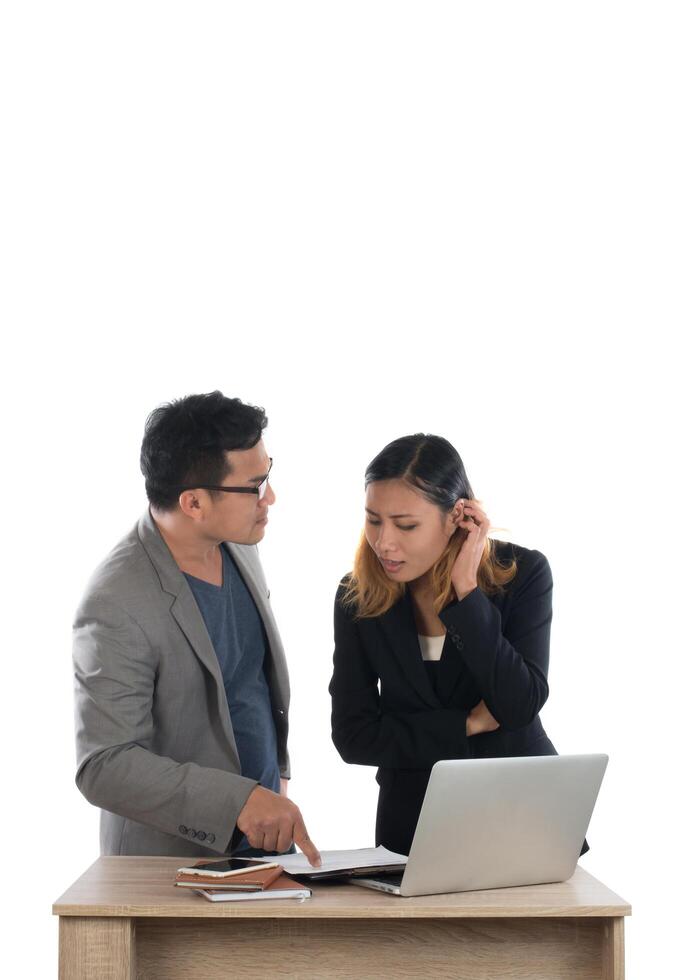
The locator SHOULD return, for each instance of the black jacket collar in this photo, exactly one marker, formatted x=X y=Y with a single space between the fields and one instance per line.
x=399 y=626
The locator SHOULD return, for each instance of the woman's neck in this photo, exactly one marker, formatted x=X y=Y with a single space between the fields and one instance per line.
x=428 y=622
x=421 y=589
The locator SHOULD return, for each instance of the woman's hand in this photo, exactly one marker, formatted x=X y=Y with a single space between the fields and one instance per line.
x=474 y=520
x=480 y=720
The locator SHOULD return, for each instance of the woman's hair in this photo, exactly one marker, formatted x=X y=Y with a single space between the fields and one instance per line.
x=431 y=466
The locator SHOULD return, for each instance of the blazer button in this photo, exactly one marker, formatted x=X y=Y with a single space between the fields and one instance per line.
x=211 y=838
x=192 y=832
x=201 y=835
x=182 y=829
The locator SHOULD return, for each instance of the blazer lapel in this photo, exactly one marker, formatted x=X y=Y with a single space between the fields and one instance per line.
x=255 y=587
x=188 y=617
x=247 y=561
x=399 y=626
x=451 y=666
x=184 y=609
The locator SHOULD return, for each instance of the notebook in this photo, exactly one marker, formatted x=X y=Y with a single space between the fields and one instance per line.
x=283 y=887
x=253 y=881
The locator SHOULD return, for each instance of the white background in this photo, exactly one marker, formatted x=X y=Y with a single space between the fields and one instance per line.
x=373 y=219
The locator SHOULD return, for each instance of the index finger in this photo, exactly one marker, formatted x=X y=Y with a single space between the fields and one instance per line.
x=302 y=839
x=476 y=509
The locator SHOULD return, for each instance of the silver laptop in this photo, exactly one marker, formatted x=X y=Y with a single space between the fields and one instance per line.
x=493 y=823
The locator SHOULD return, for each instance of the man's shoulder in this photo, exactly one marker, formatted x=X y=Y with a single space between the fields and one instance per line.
x=122 y=574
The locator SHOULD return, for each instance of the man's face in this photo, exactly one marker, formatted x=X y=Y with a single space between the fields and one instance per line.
x=239 y=517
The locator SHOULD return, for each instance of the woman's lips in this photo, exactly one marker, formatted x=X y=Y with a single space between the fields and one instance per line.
x=390 y=566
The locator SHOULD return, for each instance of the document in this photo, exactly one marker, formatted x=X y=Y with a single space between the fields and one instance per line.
x=337 y=864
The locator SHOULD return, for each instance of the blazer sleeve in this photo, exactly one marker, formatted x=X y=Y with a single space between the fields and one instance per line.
x=511 y=668
x=365 y=734
x=118 y=770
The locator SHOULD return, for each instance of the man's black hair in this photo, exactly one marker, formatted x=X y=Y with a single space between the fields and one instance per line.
x=185 y=442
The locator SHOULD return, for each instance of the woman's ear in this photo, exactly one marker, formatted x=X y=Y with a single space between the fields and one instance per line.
x=455 y=515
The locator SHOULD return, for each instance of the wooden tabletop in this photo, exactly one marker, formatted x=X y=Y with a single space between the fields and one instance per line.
x=143 y=886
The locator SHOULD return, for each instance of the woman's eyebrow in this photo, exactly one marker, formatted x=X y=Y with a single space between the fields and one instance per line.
x=391 y=516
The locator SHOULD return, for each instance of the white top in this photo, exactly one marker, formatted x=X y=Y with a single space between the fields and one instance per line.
x=431 y=646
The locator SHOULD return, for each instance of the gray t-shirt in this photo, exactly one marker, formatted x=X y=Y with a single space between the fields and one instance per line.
x=240 y=644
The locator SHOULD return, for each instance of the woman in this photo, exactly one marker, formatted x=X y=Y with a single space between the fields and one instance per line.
x=442 y=634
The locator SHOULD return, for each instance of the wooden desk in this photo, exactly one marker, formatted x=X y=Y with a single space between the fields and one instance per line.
x=124 y=918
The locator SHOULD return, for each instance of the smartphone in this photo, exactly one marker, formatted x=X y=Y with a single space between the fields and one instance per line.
x=230 y=866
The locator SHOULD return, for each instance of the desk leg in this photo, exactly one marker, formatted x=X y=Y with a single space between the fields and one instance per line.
x=613 y=949
x=96 y=948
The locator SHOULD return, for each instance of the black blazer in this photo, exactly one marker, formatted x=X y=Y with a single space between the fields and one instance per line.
x=386 y=711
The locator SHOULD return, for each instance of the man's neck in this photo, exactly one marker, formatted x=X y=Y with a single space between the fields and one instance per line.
x=195 y=555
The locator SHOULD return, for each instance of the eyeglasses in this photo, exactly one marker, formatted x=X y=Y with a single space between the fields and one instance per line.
x=259 y=488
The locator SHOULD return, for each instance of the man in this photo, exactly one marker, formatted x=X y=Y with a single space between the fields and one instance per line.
x=180 y=679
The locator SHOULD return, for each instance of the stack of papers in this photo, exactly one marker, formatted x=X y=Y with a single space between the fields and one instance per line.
x=343 y=864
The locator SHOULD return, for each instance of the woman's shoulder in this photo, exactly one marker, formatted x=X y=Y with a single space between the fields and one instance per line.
x=345 y=608
x=531 y=563
x=509 y=550
x=342 y=590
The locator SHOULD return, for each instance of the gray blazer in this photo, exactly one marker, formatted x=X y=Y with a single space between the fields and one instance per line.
x=154 y=739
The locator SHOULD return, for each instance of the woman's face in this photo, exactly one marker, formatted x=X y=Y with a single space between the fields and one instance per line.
x=407 y=532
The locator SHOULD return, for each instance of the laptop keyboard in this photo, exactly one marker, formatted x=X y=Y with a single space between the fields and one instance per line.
x=393 y=879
